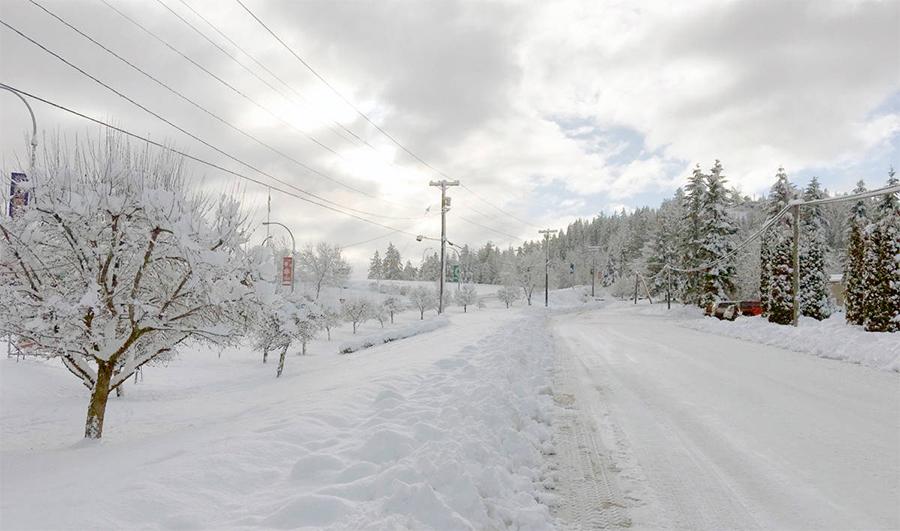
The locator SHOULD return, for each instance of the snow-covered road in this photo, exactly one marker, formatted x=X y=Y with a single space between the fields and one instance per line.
x=697 y=431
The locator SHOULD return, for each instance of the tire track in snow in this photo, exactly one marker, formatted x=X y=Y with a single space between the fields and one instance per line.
x=589 y=497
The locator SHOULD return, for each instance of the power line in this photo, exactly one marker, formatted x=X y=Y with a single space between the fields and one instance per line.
x=356 y=109
x=184 y=131
x=508 y=235
x=202 y=108
x=495 y=207
x=201 y=161
x=247 y=98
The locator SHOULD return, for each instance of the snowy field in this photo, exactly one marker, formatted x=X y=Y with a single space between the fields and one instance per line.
x=598 y=415
x=444 y=430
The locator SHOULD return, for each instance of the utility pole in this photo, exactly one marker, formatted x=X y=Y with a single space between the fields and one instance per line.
x=547 y=233
x=293 y=250
x=594 y=249
x=796 y=273
x=445 y=207
x=668 y=288
x=635 y=286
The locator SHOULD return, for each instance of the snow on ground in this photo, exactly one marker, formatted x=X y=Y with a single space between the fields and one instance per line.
x=444 y=430
x=669 y=427
x=831 y=338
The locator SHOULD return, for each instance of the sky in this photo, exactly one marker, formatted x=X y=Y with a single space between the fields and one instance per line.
x=545 y=111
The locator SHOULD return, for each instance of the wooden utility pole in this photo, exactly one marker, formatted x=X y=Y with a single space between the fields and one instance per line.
x=594 y=249
x=635 y=286
x=547 y=233
x=445 y=207
x=796 y=271
x=668 y=288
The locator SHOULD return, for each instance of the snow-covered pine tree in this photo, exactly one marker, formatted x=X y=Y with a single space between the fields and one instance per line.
x=691 y=236
x=392 y=266
x=881 y=306
x=717 y=230
x=855 y=264
x=376 y=268
x=781 y=193
x=780 y=300
x=664 y=245
x=813 y=277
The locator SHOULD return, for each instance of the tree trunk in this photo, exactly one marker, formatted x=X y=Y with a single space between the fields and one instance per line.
x=421 y=315
x=464 y=309
x=281 y=362
x=93 y=427
x=354 y=327
x=392 y=317
x=303 y=348
x=265 y=354
x=328 y=329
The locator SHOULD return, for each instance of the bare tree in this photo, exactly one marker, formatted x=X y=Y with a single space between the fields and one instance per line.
x=508 y=294
x=393 y=305
x=423 y=299
x=357 y=310
x=323 y=266
x=117 y=265
x=466 y=296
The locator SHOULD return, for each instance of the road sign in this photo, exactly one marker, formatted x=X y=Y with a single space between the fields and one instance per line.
x=287 y=270
x=454 y=273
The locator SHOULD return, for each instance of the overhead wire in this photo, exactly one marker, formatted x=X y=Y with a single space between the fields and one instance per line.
x=201 y=161
x=350 y=104
x=246 y=97
x=197 y=105
x=186 y=132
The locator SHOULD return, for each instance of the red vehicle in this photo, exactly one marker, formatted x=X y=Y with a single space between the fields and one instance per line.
x=750 y=308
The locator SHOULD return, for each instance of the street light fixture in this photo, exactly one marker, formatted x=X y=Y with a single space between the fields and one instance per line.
x=34 y=141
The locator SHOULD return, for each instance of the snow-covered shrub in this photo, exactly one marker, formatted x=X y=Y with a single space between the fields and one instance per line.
x=393 y=305
x=116 y=264
x=508 y=294
x=423 y=299
x=357 y=310
x=466 y=296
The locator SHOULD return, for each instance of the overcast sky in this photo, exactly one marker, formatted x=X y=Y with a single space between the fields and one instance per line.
x=549 y=110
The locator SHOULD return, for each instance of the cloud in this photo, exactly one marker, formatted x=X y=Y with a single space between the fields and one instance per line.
x=607 y=103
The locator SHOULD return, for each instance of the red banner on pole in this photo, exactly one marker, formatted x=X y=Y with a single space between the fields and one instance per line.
x=287 y=270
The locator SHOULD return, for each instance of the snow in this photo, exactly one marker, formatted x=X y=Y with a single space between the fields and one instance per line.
x=690 y=430
x=386 y=336
x=444 y=430
x=830 y=338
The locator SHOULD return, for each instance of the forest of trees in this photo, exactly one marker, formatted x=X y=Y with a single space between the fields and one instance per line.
x=703 y=221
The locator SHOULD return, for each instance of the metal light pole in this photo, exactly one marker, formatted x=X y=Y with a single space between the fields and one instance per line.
x=453 y=247
x=445 y=207
x=34 y=141
x=547 y=233
x=293 y=249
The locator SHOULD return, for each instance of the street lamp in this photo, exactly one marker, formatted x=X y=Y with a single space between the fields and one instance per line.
x=34 y=141
x=453 y=247
x=293 y=248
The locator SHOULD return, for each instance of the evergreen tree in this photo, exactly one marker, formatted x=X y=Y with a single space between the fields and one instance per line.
x=717 y=229
x=664 y=245
x=392 y=266
x=780 y=299
x=409 y=271
x=881 y=306
x=694 y=192
x=813 y=278
x=781 y=193
x=376 y=270
x=854 y=266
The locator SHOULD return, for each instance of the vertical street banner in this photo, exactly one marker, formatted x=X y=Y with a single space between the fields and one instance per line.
x=18 y=193
x=287 y=270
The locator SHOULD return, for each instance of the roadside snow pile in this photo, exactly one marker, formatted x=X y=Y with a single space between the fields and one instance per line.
x=386 y=336
x=831 y=338
x=461 y=449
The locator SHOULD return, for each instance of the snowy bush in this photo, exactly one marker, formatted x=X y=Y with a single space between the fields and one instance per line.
x=423 y=299
x=466 y=296
x=357 y=310
x=508 y=294
x=117 y=264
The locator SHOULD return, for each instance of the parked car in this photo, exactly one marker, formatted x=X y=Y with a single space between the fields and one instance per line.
x=726 y=310
x=750 y=308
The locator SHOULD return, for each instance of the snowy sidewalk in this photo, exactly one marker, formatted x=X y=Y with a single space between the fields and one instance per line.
x=440 y=431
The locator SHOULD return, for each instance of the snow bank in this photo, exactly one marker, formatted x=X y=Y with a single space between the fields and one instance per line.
x=386 y=336
x=831 y=338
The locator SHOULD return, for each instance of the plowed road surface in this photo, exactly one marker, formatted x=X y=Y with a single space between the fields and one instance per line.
x=676 y=428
